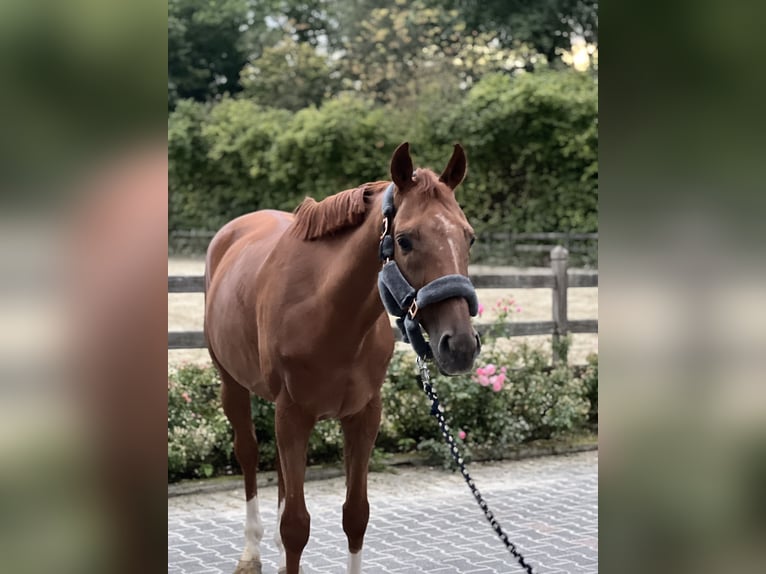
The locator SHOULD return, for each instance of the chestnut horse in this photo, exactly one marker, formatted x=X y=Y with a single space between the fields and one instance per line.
x=293 y=315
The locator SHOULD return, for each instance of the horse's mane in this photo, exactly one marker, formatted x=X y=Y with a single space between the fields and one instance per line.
x=349 y=208
x=318 y=219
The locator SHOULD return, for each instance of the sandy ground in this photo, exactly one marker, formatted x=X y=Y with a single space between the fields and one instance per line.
x=185 y=312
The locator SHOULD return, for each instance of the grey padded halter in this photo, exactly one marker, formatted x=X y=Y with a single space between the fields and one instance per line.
x=404 y=301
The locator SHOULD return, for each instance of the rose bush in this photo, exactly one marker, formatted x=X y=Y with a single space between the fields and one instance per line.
x=512 y=397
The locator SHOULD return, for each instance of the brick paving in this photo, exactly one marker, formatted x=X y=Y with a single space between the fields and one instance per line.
x=421 y=520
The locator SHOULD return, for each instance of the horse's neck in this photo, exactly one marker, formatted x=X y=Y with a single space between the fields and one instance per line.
x=351 y=288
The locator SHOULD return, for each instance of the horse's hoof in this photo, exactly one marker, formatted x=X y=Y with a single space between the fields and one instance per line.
x=284 y=570
x=249 y=567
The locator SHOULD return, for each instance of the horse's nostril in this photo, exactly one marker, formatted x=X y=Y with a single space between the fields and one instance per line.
x=444 y=344
x=460 y=344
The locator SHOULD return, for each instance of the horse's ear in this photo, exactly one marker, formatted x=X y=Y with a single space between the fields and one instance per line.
x=401 y=167
x=455 y=171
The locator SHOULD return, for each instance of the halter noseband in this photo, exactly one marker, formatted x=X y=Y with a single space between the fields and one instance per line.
x=404 y=301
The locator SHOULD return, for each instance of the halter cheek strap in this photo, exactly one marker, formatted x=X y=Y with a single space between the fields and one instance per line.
x=386 y=239
x=404 y=301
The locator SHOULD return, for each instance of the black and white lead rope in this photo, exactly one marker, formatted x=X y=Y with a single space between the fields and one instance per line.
x=403 y=301
x=436 y=410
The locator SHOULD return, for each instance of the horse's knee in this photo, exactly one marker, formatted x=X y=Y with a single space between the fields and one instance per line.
x=245 y=447
x=294 y=528
x=356 y=514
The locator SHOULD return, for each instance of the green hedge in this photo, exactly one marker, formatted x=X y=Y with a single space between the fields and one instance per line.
x=531 y=142
x=514 y=397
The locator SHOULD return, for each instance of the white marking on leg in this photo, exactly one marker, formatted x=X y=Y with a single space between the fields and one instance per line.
x=278 y=536
x=253 y=532
x=448 y=227
x=354 y=563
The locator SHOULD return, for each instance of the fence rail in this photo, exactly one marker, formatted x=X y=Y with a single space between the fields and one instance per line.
x=196 y=339
x=559 y=279
x=493 y=247
x=553 y=236
x=543 y=280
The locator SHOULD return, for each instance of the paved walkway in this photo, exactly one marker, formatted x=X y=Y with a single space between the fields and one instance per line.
x=421 y=520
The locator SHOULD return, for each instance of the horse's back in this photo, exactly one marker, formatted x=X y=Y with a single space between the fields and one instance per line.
x=261 y=227
x=234 y=259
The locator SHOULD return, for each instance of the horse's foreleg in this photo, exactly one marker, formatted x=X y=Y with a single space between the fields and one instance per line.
x=236 y=405
x=360 y=431
x=293 y=428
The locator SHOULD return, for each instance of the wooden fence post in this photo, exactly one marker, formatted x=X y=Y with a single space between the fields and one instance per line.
x=559 y=264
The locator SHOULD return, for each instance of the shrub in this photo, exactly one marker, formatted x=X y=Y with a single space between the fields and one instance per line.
x=531 y=141
x=199 y=436
x=550 y=402
x=590 y=379
x=345 y=142
x=219 y=162
x=513 y=397
x=405 y=421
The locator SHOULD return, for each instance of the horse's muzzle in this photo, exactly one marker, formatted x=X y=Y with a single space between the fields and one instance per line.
x=456 y=353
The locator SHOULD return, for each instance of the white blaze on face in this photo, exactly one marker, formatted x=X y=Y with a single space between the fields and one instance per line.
x=449 y=229
x=354 y=563
x=253 y=531
x=278 y=536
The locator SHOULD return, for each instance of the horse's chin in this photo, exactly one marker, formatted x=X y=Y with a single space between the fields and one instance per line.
x=452 y=374
x=451 y=369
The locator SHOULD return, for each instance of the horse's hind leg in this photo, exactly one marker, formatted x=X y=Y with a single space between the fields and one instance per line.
x=359 y=431
x=236 y=405
x=280 y=508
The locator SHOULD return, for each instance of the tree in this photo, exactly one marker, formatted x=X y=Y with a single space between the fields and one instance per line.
x=289 y=75
x=405 y=50
x=207 y=47
x=312 y=22
x=546 y=25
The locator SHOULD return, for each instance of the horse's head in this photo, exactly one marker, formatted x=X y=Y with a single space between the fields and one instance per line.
x=432 y=239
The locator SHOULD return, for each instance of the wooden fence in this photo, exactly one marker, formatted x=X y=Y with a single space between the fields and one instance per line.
x=498 y=248
x=559 y=279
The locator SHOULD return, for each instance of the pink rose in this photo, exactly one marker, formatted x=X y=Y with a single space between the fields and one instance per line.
x=497 y=384
x=518 y=309
x=503 y=370
x=489 y=369
x=186 y=397
x=481 y=309
x=461 y=434
x=483 y=380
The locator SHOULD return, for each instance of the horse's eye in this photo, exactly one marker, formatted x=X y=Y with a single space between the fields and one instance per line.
x=472 y=241
x=404 y=242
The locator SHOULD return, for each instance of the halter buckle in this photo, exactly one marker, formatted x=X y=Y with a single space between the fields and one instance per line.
x=413 y=310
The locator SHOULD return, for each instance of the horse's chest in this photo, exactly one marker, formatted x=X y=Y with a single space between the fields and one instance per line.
x=332 y=393
x=330 y=375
